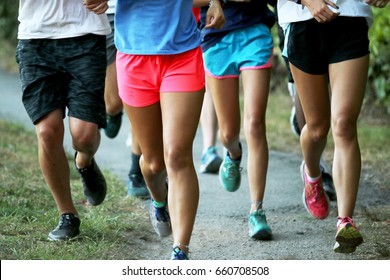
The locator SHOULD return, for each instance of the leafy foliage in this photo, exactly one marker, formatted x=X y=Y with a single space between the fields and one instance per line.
x=379 y=72
x=9 y=19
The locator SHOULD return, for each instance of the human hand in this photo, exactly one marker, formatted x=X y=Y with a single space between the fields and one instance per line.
x=96 y=6
x=322 y=10
x=215 y=17
x=377 y=3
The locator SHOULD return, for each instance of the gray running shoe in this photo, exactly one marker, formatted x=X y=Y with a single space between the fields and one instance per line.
x=161 y=222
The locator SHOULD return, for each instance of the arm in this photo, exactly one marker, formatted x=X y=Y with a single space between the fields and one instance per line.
x=320 y=9
x=215 y=17
x=96 y=6
x=377 y=3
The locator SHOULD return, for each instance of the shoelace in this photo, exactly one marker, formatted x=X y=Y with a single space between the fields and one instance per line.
x=344 y=220
x=316 y=190
x=232 y=170
x=65 y=221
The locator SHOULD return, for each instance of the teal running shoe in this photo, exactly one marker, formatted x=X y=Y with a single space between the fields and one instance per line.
x=258 y=227
x=230 y=173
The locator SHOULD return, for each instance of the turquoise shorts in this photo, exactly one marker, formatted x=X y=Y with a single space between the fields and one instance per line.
x=243 y=49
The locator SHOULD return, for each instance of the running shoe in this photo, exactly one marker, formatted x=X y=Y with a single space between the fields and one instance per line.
x=258 y=227
x=348 y=236
x=136 y=186
x=178 y=254
x=161 y=222
x=113 y=124
x=67 y=228
x=314 y=197
x=94 y=183
x=327 y=180
x=230 y=173
x=211 y=161
x=294 y=123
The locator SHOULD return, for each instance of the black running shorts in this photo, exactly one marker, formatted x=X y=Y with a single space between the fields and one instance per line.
x=312 y=46
x=64 y=73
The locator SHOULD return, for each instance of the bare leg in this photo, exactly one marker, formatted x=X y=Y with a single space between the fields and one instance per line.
x=256 y=87
x=348 y=82
x=146 y=123
x=317 y=113
x=53 y=161
x=180 y=115
x=225 y=94
x=209 y=122
x=111 y=97
x=85 y=140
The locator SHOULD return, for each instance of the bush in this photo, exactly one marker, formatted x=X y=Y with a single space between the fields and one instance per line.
x=9 y=20
x=379 y=72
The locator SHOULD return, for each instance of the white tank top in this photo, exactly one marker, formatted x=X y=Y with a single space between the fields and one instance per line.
x=56 y=19
x=289 y=11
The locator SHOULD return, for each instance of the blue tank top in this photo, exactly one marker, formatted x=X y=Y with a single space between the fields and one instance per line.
x=155 y=27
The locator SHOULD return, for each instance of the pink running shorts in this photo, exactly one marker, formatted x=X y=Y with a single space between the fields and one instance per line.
x=141 y=78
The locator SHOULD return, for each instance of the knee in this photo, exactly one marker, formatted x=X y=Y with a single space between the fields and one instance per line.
x=228 y=136
x=84 y=139
x=177 y=158
x=153 y=165
x=344 y=127
x=318 y=131
x=50 y=134
x=254 y=127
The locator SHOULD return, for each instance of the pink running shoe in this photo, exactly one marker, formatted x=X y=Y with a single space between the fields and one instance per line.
x=348 y=236
x=314 y=197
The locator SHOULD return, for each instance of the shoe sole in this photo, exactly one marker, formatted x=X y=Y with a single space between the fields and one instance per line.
x=261 y=235
x=347 y=239
x=344 y=248
x=212 y=166
x=54 y=239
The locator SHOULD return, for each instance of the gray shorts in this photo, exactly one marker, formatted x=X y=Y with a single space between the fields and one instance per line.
x=110 y=44
x=64 y=73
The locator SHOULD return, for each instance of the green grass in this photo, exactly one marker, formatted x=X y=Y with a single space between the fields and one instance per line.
x=28 y=211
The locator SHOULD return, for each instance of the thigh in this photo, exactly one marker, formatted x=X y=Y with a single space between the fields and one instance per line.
x=180 y=115
x=226 y=98
x=314 y=96
x=256 y=87
x=146 y=124
x=348 y=84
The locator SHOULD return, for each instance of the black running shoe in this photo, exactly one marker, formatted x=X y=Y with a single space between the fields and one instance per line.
x=94 y=183
x=113 y=124
x=327 y=183
x=68 y=228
